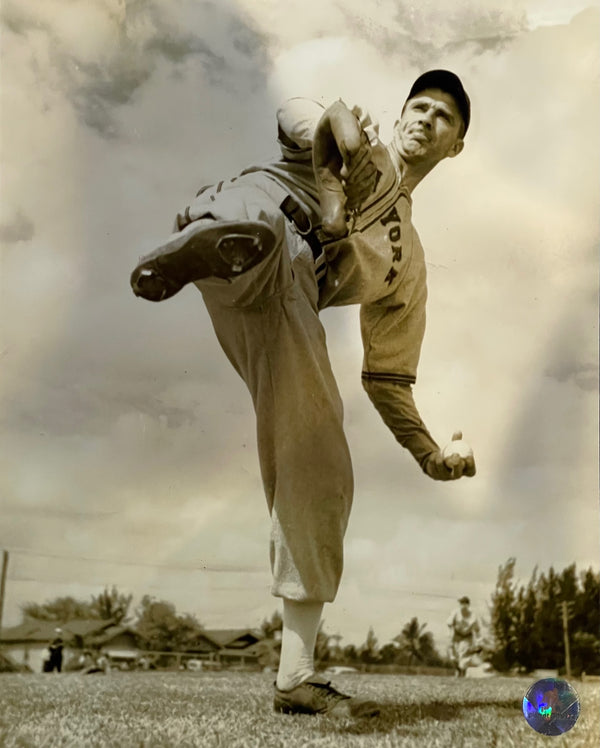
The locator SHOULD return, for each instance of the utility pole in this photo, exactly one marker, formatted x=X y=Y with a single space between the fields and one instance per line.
x=565 y=621
x=3 y=583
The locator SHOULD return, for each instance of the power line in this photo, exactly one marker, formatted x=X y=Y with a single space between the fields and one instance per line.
x=422 y=594
x=151 y=585
x=13 y=578
x=199 y=566
x=220 y=588
x=179 y=567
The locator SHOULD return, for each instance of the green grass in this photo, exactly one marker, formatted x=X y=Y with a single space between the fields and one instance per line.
x=228 y=710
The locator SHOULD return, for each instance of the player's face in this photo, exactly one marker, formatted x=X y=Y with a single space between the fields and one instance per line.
x=429 y=128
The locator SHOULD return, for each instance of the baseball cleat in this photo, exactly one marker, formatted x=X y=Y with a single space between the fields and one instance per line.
x=204 y=249
x=315 y=696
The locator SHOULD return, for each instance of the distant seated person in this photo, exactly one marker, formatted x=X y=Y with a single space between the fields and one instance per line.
x=93 y=663
x=103 y=663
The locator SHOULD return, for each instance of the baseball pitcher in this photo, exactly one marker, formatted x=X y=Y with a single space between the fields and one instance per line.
x=328 y=223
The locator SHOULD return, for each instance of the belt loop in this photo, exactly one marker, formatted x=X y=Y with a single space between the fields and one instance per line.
x=292 y=210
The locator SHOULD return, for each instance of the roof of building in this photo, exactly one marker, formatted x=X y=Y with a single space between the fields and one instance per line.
x=227 y=637
x=253 y=650
x=98 y=632
x=112 y=632
x=203 y=642
x=33 y=630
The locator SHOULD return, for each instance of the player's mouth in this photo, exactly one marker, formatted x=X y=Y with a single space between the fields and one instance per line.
x=420 y=135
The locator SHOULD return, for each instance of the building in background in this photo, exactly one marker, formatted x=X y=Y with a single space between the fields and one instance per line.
x=27 y=643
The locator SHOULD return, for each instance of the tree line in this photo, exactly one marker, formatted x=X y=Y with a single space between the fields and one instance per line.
x=412 y=646
x=157 y=622
x=525 y=625
x=526 y=620
x=164 y=629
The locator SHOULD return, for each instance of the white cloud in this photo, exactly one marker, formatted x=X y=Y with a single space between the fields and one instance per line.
x=99 y=54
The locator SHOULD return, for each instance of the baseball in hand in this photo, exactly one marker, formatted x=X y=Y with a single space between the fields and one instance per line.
x=457 y=447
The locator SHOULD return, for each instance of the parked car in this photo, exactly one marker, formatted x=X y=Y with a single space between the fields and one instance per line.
x=194 y=665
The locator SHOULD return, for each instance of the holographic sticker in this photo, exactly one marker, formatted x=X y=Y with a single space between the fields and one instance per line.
x=551 y=706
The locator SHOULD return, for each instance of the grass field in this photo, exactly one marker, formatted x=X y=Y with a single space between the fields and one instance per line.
x=228 y=710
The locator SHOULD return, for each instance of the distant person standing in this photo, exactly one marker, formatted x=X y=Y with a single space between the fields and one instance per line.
x=55 y=649
x=464 y=633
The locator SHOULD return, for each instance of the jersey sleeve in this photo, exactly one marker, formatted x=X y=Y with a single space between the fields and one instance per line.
x=297 y=120
x=392 y=332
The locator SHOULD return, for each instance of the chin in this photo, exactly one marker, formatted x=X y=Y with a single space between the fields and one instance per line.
x=412 y=154
x=411 y=147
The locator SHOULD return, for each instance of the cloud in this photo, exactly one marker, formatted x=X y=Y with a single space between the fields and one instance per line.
x=177 y=48
x=418 y=31
x=101 y=53
x=573 y=361
x=19 y=228
x=582 y=375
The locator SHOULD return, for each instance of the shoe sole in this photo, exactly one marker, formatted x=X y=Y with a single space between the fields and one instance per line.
x=223 y=250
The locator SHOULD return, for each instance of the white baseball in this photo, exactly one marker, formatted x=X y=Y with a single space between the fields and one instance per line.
x=458 y=447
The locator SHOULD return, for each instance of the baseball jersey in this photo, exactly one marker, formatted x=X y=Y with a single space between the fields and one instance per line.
x=463 y=627
x=379 y=265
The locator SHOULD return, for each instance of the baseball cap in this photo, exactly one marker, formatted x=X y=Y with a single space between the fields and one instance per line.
x=448 y=82
x=464 y=600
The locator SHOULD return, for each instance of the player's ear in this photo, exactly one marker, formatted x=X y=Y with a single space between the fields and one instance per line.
x=456 y=148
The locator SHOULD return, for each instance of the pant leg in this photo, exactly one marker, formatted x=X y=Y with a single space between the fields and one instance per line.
x=268 y=325
x=462 y=653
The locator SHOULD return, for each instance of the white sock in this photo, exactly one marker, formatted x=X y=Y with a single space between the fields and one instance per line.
x=298 y=639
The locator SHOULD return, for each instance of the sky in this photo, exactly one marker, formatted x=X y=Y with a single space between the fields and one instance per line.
x=128 y=447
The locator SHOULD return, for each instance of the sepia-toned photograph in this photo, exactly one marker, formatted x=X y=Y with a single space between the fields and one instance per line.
x=299 y=373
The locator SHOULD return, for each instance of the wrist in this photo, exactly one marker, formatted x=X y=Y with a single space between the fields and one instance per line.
x=436 y=468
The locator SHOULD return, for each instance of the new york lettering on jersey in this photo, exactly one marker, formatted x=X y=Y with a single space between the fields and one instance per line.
x=369 y=263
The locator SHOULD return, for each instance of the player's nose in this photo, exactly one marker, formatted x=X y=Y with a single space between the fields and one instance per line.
x=426 y=118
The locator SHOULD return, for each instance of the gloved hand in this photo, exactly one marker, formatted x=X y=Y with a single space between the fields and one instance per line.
x=454 y=461
x=343 y=165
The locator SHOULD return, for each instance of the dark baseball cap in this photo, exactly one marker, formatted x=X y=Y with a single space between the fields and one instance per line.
x=464 y=600
x=448 y=82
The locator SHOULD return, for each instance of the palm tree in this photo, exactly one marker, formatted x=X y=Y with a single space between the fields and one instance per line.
x=416 y=641
x=369 y=651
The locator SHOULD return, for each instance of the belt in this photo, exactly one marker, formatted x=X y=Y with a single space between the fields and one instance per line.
x=294 y=212
x=461 y=637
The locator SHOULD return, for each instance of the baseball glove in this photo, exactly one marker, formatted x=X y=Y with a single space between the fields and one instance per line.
x=343 y=165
